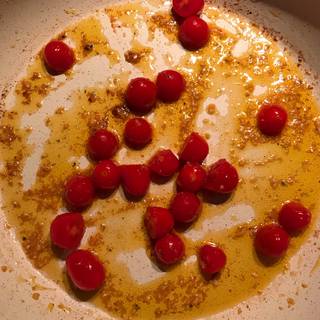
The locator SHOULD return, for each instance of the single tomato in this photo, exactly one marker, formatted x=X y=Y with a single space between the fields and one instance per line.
x=271 y=241
x=137 y=133
x=135 y=179
x=195 y=148
x=102 y=145
x=67 y=230
x=271 y=119
x=141 y=95
x=58 y=57
x=79 y=191
x=185 y=207
x=169 y=249
x=222 y=177
x=158 y=222
x=106 y=176
x=194 y=33
x=294 y=217
x=212 y=259
x=85 y=270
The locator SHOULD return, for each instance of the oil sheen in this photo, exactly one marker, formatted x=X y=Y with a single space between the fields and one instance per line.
x=43 y=137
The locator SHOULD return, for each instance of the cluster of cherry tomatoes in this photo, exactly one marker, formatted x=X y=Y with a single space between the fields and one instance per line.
x=67 y=229
x=193 y=32
x=84 y=268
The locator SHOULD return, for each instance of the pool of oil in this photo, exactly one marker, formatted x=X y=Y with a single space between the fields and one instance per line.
x=43 y=140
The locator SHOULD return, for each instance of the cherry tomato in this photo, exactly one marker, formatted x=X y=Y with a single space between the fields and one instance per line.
x=138 y=133
x=141 y=95
x=185 y=207
x=222 y=177
x=194 y=33
x=106 y=176
x=271 y=119
x=135 y=179
x=211 y=259
x=58 y=57
x=67 y=230
x=79 y=191
x=176 y=17
x=271 y=241
x=102 y=145
x=294 y=217
x=195 y=149
x=169 y=249
x=187 y=8
x=85 y=270
x=164 y=163
x=158 y=222
x=170 y=85
x=191 y=177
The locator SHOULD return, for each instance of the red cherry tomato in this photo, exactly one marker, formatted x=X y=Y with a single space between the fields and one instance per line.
x=169 y=249
x=176 y=17
x=187 y=8
x=141 y=95
x=67 y=230
x=106 y=176
x=79 y=191
x=135 y=179
x=170 y=85
x=85 y=270
x=271 y=119
x=158 y=222
x=271 y=241
x=138 y=133
x=164 y=163
x=194 y=33
x=195 y=149
x=185 y=207
x=222 y=177
x=211 y=259
x=191 y=177
x=58 y=57
x=294 y=217
x=102 y=145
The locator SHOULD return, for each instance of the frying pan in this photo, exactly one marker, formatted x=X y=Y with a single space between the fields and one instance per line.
x=24 y=27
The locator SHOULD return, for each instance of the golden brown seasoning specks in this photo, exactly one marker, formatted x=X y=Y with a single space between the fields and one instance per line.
x=35 y=296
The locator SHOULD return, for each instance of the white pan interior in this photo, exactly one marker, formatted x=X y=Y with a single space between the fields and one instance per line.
x=24 y=27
